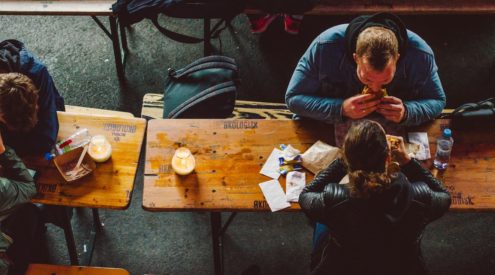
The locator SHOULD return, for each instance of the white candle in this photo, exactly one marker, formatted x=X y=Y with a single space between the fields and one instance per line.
x=99 y=148
x=183 y=161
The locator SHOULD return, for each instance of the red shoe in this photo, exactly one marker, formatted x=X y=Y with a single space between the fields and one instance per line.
x=292 y=23
x=259 y=24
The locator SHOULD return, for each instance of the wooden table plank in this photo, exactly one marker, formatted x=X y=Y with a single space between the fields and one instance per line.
x=45 y=269
x=112 y=183
x=57 y=7
x=229 y=157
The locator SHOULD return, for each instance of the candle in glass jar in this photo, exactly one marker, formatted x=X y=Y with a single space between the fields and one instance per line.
x=99 y=148
x=183 y=161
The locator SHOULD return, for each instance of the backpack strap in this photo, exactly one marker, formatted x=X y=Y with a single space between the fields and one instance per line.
x=174 y=35
x=210 y=58
x=221 y=88
x=204 y=66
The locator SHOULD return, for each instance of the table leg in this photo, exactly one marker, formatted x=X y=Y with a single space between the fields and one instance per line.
x=69 y=237
x=89 y=248
x=216 y=226
x=116 y=48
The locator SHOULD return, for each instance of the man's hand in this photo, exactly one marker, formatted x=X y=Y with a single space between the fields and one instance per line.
x=392 y=109
x=2 y=146
x=398 y=150
x=359 y=106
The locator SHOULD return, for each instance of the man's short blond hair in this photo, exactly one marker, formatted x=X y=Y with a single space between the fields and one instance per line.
x=378 y=45
x=18 y=101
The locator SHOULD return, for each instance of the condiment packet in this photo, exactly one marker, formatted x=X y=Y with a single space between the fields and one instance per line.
x=319 y=156
x=290 y=152
x=274 y=195
x=271 y=166
x=295 y=183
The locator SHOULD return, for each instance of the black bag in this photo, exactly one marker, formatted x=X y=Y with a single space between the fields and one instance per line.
x=472 y=115
x=205 y=88
x=133 y=11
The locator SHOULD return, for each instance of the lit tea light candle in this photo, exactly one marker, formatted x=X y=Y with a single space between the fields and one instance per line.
x=183 y=161
x=99 y=148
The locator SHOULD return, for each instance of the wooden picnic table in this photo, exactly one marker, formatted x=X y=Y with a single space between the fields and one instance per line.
x=109 y=186
x=230 y=153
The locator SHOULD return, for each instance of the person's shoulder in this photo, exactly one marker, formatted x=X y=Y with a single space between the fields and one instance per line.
x=333 y=35
x=417 y=45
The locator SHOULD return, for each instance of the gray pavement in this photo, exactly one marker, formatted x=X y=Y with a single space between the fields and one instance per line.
x=80 y=59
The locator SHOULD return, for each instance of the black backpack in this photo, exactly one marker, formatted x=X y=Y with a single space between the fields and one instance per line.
x=473 y=115
x=206 y=88
x=133 y=11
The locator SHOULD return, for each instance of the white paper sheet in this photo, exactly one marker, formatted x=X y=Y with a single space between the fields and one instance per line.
x=420 y=138
x=271 y=166
x=274 y=195
x=294 y=184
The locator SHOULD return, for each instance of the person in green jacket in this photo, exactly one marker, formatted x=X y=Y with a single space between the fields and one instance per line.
x=18 y=217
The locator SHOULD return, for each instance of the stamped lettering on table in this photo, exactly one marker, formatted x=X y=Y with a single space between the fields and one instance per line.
x=46 y=188
x=238 y=124
x=458 y=198
x=260 y=204
x=119 y=130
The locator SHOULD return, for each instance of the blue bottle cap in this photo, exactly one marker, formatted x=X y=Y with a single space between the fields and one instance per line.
x=447 y=133
x=48 y=156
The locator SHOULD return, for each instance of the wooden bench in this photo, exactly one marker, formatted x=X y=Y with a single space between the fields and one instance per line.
x=339 y=7
x=91 y=8
x=153 y=108
x=45 y=269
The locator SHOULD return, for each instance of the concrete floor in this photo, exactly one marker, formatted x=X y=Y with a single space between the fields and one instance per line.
x=80 y=58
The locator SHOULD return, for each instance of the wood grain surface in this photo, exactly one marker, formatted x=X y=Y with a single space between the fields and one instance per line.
x=44 y=269
x=112 y=182
x=57 y=7
x=230 y=153
x=339 y=7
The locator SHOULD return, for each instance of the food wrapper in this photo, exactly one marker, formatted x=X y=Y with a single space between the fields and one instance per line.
x=284 y=169
x=421 y=140
x=319 y=156
x=290 y=152
x=295 y=183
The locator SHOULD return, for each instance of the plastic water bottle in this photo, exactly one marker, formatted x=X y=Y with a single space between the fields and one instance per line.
x=78 y=139
x=444 y=148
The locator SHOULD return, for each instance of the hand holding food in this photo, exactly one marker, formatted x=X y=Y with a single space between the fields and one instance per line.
x=359 y=106
x=398 y=150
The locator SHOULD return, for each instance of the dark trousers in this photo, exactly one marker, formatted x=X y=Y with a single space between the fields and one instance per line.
x=22 y=226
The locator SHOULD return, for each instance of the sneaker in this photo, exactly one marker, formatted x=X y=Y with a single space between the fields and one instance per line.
x=292 y=23
x=259 y=24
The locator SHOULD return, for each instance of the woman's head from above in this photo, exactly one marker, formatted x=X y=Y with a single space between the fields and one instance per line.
x=367 y=154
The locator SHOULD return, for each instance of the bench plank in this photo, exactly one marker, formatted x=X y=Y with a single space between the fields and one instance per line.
x=339 y=7
x=44 y=269
x=58 y=7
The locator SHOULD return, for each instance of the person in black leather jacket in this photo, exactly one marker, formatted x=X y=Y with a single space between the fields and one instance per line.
x=374 y=224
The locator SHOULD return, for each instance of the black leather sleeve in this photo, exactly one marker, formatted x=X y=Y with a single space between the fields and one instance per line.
x=427 y=189
x=313 y=198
